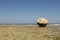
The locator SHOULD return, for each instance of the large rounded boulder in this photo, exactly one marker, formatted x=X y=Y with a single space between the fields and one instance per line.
x=42 y=22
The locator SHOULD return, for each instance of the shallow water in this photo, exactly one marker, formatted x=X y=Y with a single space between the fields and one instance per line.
x=29 y=32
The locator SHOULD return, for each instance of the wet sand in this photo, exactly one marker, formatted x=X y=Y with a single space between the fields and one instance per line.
x=29 y=32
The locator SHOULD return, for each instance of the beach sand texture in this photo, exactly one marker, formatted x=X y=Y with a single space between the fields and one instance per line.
x=29 y=32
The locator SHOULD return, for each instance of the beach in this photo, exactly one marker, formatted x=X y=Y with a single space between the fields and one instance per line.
x=29 y=32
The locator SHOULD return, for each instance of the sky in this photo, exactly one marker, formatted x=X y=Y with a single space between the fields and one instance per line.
x=28 y=11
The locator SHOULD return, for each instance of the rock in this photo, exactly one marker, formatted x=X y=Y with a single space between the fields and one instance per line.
x=42 y=22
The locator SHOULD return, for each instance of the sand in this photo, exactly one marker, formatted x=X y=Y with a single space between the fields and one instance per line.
x=29 y=32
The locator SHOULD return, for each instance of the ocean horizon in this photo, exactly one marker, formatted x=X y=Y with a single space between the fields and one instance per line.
x=26 y=23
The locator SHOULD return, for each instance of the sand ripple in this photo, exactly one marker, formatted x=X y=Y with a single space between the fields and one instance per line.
x=18 y=32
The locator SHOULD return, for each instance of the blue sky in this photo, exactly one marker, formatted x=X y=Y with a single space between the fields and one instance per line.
x=27 y=11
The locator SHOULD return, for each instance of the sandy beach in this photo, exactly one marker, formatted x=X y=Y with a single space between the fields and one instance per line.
x=29 y=32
